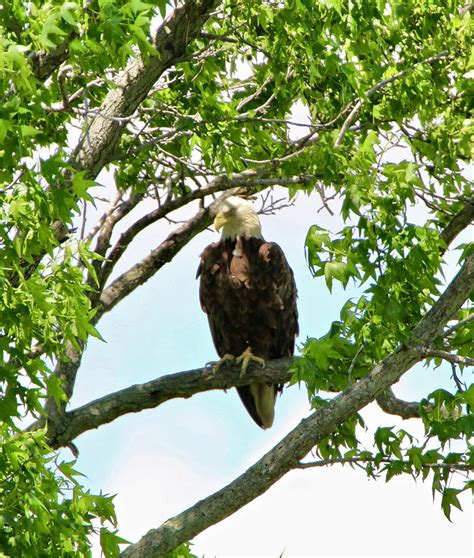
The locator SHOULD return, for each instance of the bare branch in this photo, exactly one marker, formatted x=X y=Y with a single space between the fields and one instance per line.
x=450 y=357
x=390 y=404
x=108 y=221
x=460 y=385
x=354 y=460
x=161 y=255
x=288 y=453
x=251 y=180
x=460 y=324
x=217 y=185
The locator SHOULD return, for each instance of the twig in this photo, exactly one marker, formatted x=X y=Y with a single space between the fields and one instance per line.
x=356 y=460
x=353 y=363
x=450 y=357
x=460 y=385
x=460 y=324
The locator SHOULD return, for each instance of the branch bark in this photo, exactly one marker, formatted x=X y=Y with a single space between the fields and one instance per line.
x=459 y=222
x=287 y=454
x=392 y=405
x=171 y=40
x=152 y=394
x=161 y=255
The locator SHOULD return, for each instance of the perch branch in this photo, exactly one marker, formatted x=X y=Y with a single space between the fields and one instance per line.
x=151 y=394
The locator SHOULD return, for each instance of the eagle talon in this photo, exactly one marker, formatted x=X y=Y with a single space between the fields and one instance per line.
x=217 y=364
x=246 y=357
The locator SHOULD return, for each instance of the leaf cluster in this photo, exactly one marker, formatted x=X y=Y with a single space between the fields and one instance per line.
x=44 y=511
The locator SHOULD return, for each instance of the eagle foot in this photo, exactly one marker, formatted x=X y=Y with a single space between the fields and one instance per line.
x=246 y=357
x=216 y=365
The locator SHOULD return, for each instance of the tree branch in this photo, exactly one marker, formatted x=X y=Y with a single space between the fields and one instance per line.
x=45 y=63
x=450 y=357
x=358 y=460
x=217 y=185
x=151 y=394
x=250 y=179
x=390 y=404
x=460 y=324
x=288 y=453
x=171 y=40
x=162 y=254
x=459 y=222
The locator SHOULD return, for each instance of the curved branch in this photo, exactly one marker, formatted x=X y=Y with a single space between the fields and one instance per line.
x=219 y=184
x=251 y=179
x=390 y=404
x=287 y=454
x=450 y=357
x=161 y=255
x=458 y=325
x=459 y=222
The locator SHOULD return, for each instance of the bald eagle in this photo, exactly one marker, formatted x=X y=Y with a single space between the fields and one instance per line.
x=247 y=289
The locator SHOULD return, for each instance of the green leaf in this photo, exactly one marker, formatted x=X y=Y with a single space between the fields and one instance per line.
x=110 y=542
x=28 y=131
x=450 y=498
x=81 y=184
x=68 y=13
x=55 y=390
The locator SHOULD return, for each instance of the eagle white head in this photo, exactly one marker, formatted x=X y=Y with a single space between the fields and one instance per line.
x=237 y=217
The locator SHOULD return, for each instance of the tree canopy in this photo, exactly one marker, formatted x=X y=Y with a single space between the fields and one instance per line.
x=364 y=105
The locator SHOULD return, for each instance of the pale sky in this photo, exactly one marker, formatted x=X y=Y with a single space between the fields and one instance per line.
x=161 y=461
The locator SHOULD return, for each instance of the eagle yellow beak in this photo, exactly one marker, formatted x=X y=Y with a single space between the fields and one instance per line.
x=220 y=221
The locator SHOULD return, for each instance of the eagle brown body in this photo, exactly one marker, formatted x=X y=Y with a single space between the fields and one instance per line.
x=248 y=292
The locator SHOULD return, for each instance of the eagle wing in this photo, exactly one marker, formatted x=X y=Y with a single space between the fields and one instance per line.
x=283 y=297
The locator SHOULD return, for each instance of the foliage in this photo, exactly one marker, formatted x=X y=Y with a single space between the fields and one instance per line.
x=379 y=94
x=44 y=511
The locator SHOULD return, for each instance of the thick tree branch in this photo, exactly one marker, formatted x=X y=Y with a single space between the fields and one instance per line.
x=152 y=394
x=288 y=453
x=171 y=40
x=459 y=222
